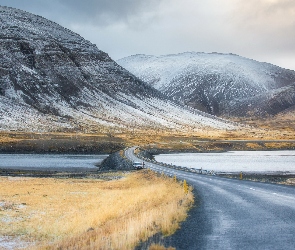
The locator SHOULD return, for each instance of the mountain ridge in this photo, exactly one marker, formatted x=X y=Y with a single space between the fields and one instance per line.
x=212 y=82
x=51 y=79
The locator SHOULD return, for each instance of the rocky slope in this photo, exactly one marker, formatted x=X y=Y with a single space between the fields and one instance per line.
x=220 y=84
x=52 y=79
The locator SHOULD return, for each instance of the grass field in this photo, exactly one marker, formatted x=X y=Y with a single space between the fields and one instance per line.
x=276 y=128
x=90 y=213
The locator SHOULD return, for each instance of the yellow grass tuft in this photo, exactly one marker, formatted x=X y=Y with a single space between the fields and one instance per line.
x=89 y=213
x=276 y=145
x=254 y=146
x=160 y=247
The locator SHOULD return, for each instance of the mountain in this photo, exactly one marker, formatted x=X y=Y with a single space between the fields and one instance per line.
x=51 y=79
x=219 y=84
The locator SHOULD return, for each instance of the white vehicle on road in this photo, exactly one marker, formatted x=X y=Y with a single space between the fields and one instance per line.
x=138 y=165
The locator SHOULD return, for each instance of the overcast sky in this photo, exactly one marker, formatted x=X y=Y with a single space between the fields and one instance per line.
x=263 y=30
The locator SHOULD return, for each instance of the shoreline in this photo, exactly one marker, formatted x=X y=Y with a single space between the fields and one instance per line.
x=114 y=163
x=155 y=151
x=282 y=179
x=96 y=173
x=218 y=146
x=275 y=177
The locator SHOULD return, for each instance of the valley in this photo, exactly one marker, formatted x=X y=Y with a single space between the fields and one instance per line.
x=61 y=96
x=53 y=80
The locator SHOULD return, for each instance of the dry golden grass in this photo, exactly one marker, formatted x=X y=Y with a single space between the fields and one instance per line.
x=254 y=146
x=166 y=140
x=275 y=128
x=160 y=247
x=271 y=145
x=255 y=130
x=179 y=140
x=23 y=136
x=6 y=139
x=89 y=213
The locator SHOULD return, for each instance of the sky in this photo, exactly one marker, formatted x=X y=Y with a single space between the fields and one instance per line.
x=263 y=30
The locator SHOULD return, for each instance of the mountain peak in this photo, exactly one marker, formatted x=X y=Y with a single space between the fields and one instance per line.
x=219 y=84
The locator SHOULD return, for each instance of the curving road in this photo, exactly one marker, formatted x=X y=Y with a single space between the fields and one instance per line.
x=233 y=214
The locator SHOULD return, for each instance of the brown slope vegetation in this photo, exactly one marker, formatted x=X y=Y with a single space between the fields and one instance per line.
x=278 y=129
x=20 y=142
x=280 y=126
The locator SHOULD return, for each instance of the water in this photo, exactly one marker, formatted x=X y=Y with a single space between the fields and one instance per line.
x=50 y=162
x=235 y=161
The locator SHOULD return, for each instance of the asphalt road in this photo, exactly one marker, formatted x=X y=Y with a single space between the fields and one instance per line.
x=234 y=214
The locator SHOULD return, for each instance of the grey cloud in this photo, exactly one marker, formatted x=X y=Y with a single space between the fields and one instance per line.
x=117 y=9
x=96 y=12
x=105 y=12
x=258 y=29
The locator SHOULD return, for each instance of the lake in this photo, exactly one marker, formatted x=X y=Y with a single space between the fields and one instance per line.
x=235 y=161
x=50 y=162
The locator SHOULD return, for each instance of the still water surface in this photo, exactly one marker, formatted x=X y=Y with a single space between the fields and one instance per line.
x=50 y=162
x=235 y=161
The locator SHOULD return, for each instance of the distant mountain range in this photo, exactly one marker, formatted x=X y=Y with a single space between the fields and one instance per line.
x=219 y=84
x=52 y=79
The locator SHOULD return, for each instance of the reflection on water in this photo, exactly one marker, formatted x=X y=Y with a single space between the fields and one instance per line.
x=235 y=161
x=49 y=162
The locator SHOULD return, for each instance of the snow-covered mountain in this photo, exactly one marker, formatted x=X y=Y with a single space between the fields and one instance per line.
x=220 y=84
x=52 y=79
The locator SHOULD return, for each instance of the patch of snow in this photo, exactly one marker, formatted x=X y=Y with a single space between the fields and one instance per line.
x=25 y=68
x=8 y=242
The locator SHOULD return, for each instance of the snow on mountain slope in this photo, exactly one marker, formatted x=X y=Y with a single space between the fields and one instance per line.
x=212 y=82
x=52 y=79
